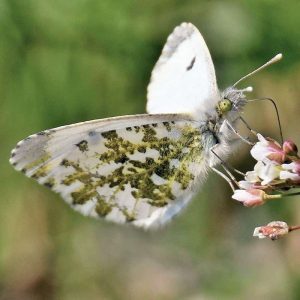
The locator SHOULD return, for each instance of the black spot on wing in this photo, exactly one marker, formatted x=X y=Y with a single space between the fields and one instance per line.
x=83 y=146
x=190 y=66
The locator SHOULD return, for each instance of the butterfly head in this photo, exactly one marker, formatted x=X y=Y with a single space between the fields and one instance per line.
x=232 y=101
x=224 y=106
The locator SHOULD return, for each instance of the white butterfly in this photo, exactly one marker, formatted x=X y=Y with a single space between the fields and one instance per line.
x=142 y=169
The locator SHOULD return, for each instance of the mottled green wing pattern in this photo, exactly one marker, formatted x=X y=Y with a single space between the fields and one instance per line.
x=138 y=169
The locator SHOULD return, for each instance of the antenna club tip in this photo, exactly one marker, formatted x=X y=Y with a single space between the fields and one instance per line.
x=278 y=57
x=249 y=89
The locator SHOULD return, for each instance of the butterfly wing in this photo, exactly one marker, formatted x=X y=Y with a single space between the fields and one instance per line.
x=133 y=169
x=183 y=80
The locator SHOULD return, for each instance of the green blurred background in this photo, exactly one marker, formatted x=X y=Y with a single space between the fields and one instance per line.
x=68 y=61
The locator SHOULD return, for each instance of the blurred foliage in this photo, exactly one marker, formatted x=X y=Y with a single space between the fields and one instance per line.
x=68 y=61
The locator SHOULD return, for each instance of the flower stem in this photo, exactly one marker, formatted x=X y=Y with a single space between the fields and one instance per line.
x=292 y=228
x=291 y=194
x=271 y=197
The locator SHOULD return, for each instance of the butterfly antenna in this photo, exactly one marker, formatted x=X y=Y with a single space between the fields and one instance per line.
x=275 y=59
x=277 y=113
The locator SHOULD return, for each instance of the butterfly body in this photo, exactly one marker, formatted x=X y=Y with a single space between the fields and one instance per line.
x=142 y=169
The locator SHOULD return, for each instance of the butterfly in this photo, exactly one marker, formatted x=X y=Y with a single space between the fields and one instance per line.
x=143 y=169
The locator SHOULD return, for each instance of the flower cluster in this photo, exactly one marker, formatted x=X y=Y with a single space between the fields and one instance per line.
x=276 y=172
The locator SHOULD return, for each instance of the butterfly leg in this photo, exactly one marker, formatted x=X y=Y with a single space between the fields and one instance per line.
x=225 y=177
x=230 y=126
x=225 y=166
x=229 y=177
x=247 y=126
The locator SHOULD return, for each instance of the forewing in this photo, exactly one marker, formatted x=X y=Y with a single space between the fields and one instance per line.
x=183 y=80
x=138 y=169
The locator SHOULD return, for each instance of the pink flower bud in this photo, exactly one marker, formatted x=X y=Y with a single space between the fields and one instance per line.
x=273 y=230
x=250 y=197
x=289 y=147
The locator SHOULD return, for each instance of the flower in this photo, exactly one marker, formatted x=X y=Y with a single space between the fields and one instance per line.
x=268 y=149
x=286 y=175
x=246 y=185
x=268 y=173
x=263 y=173
x=291 y=171
x=273 y=230
x=252 y=176
x=293 y=166
x=250 y=197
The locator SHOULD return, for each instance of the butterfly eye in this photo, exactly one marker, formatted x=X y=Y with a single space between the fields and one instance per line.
x=224 y=106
